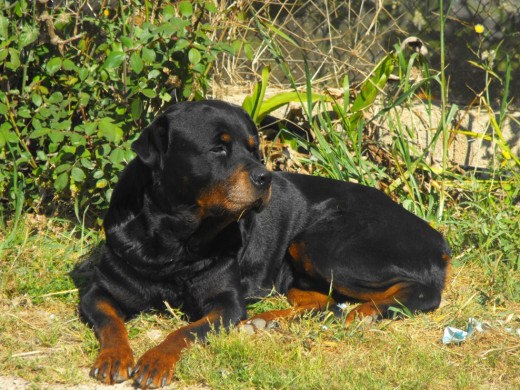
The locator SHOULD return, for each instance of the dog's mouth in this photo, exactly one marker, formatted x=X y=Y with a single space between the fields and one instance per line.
x=258 y=205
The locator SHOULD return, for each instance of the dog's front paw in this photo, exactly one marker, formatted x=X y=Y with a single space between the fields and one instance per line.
x=113 y=365
x=154 y=369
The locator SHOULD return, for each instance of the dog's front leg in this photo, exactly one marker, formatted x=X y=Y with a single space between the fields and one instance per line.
x=156 y=367
x=115 y=359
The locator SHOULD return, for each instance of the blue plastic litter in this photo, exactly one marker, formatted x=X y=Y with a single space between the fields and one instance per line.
x=454 y=335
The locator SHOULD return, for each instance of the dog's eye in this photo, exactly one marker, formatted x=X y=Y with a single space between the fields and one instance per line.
x=220 y=150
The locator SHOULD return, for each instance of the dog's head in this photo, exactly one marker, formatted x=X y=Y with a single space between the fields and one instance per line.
x=206 y=154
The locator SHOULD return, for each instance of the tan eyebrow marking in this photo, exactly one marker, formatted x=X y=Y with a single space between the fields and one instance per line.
x=225 y=137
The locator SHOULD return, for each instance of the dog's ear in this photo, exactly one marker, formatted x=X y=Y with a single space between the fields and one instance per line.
x=153 y=142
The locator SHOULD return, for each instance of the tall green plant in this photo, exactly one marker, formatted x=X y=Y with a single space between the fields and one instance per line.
x=258 y=107
x=339 y=150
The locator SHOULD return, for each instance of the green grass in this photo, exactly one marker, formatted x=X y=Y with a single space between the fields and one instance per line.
x=43 y=341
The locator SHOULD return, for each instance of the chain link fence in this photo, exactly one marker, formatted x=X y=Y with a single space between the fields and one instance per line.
x=349 y=37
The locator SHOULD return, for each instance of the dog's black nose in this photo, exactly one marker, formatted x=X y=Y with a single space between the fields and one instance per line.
x=260 y=177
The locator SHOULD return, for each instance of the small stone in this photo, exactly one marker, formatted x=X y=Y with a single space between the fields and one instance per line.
x=259 y=323
x=247 y=328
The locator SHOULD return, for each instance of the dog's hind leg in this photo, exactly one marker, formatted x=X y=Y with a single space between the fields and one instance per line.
x=302 y=301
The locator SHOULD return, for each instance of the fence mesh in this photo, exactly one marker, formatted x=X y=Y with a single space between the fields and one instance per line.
x=348 y=37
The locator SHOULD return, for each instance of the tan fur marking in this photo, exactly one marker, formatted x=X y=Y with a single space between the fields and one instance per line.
x=251 y=142
x=301 y=300
x=225 y=137
x=387 y=296
x=234 y=195
x=301 y=260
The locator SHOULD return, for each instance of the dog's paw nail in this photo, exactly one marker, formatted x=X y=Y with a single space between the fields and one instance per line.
x=248 y=328
x=258 y=323
x=164 y=381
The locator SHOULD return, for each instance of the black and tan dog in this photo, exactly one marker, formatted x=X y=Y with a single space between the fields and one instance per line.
x=197 y=221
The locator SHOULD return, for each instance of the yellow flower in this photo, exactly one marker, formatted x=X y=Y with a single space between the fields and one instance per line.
x=106 y=12
x=479 y=29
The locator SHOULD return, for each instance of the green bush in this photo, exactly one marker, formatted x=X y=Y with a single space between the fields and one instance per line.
x=77 y=83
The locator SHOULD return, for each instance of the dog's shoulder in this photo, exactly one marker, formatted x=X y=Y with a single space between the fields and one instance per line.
x=128 y=195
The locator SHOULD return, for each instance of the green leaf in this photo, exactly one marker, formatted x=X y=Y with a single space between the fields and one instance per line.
x=110 y=131
x=61 y=181
x=77 y=174
x=6 y=135
x=114 y=59
x=149 y=93
x=36 y=99
x=102 y=183
x=27 y=36
x=69 y=65
x=186 y=8
x=127 y=42
x=14 y=60
x=4 y=27
x=211 y=7
x=179 y=23
x=117 y=156
x=194 y=56
x=88 y=127
x=199 y=68
x=3 y=54
x=83 y=74
x=39 y=133
x=282 y=99
x=248 y=51
x=136 y=63
x=148 y=54
x=25 y=112
x=56 y=97
x=167 y=29
x=87 y=163
x=374 y=85
x=281 y=34
x=168 y=12
x=153 y=74
x=136 y=108
x=252 y=103
x=56 y=136
x=77 y=140
x=83 y=98
x=181 y=44
x=53 y=65
x=62 y=168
